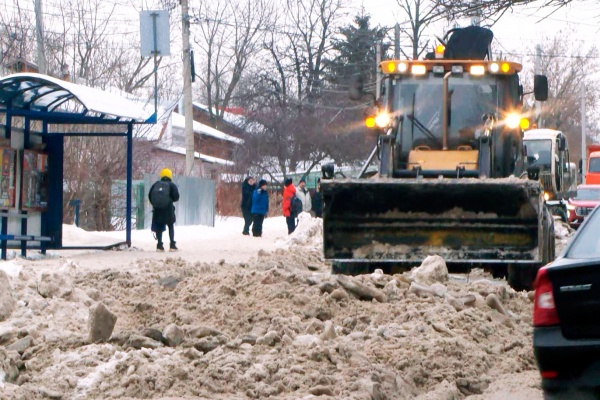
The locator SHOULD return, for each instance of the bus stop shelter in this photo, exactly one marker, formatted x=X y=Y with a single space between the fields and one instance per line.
x=37 y=112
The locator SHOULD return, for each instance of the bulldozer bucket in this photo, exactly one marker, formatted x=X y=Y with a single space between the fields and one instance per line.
x=396 y=223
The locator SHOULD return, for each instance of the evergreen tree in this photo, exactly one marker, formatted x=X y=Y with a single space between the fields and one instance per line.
x=357 y=52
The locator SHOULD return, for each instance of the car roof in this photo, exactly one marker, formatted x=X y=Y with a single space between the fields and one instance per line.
x=541 y=134
x=588 y=186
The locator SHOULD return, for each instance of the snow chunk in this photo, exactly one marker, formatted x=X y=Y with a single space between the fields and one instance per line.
x=433 y=269
x=11 y=268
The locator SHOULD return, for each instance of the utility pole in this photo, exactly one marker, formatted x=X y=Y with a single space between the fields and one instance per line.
x=538 y=70
x=39 y=34
x=188 y=111
x=476 y=19
x=583 y=136
x=378 y=61
x=397 y=41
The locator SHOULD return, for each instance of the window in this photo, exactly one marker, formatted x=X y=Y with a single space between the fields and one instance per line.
x=587 y=243
x=594 y=164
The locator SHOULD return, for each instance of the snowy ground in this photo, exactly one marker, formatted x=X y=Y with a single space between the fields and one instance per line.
x=238 y=317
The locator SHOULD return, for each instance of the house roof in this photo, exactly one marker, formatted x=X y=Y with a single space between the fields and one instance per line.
x=203 y=157
x=44 y=93
x=178 y=121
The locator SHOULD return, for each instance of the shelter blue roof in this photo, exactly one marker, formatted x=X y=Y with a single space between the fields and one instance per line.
x=37 y=92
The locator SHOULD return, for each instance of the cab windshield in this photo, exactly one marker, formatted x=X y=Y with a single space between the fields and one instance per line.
x=418 y=100
x=539 y=152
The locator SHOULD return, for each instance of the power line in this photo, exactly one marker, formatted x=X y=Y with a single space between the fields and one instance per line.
x=90 y=16
x=58 y=33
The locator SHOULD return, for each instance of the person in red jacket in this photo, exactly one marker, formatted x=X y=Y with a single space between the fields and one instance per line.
x=289 y=191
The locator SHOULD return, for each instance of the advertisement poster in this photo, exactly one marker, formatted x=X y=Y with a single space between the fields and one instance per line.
x=34 y=194
x=7 y=177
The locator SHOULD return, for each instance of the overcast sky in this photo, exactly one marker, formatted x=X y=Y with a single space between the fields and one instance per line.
x=518 y=30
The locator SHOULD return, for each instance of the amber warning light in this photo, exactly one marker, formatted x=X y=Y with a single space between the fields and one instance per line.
x=439 y=51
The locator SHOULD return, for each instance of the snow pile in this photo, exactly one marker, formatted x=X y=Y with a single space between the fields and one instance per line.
x=269 y=322
x=11 y=268
x=562 y=234
x=267 y=327
x=562 y=230
x=308 y=233
x=73 y=235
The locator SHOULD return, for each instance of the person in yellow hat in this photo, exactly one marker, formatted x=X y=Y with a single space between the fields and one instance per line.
x=162 y=195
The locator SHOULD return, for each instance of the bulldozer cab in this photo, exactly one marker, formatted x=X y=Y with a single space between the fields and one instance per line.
x=453 y=106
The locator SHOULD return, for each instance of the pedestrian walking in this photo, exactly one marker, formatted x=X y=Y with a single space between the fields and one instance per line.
x=304 y=195
x=260 y=207
x=248 y=188
x=289 y=191
x=162 y=195
x=317 y=201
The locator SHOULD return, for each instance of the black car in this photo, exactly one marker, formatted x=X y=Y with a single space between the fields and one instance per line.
x=566 y=317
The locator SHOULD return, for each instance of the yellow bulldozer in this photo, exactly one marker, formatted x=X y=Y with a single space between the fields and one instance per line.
x=450 y=151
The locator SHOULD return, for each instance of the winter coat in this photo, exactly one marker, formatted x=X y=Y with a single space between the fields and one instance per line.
x=165 y=216
x=304 y=195
x=260 y=202
x=317 y=204
x=286 y=205
x=247 y=192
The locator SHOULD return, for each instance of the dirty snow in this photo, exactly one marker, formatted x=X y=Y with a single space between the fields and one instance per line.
x=263 y=318
x=562 y=233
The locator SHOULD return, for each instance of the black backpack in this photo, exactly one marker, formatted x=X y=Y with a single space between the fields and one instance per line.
x=296 y=206
x=160 y=195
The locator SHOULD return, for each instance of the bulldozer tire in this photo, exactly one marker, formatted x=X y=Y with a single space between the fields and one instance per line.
x=336 y=268
x=499 y=271
x=521 y=277
x=350 y=268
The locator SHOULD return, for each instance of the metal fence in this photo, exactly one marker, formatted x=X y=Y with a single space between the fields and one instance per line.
x=196 y=205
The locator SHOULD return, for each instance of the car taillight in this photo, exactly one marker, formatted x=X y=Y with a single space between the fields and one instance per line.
x=544 y=309
x=549 y=374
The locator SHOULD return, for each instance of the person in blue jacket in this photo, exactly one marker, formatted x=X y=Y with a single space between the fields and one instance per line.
x=260 y=207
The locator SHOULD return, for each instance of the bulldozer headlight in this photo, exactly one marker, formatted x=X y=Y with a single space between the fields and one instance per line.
x=370 y=122
x=477 y=70
x=524 y=124
x=418 y=69
x=513 y=120
x=546 y=196
x=382 y=119
x=494 y=68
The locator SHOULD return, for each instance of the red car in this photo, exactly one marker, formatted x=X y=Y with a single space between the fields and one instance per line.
x=588 y=197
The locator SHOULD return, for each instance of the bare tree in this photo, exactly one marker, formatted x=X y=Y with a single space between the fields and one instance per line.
x=569 y=68
x=91 y=167
x=229 y=34
x=421 y=14
x=493 y=10
x=291 y=102
x=17 y=33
